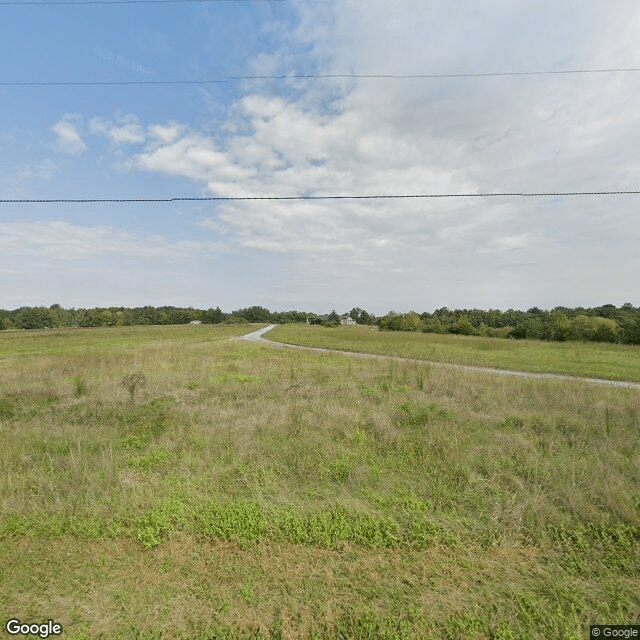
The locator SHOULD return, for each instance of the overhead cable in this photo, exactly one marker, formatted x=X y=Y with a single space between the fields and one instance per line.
x=319 y=76
x=114 y=2
x=393 y=76
x=556 y=194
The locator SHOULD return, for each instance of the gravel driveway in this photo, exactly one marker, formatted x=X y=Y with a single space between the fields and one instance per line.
x=257 y=336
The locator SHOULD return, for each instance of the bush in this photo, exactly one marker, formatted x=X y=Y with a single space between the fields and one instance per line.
x=588 y=328
x=463 y=327
x=134 y=382
x=400 y=321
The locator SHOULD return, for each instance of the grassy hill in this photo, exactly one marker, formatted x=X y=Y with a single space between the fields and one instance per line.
x=252 y=492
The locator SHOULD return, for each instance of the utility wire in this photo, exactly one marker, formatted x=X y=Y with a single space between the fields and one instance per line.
x=441 y=75
x=370 y=197
x=113 y=2
x=8 y=83
x=108 y=82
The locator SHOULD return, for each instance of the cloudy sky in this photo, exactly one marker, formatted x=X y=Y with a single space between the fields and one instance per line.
x=349 y=136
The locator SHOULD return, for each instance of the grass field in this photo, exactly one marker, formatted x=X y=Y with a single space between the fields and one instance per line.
x=586 y=359
x=251 y=492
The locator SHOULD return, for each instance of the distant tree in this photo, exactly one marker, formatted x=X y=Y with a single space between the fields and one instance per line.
x=119 y=318
x=333 y=320
x=35 y=318
x=533 y=327
x=519 y=332
x=253 y=314
x=606 y=323
x=560 y=325
x=388 y=322
x=605 y=311
x=213 y=316
x=433 y=326
x=630 y=330
x=361 y=316
x=367 y=318
x=106 y=319
x=400 y=321
x=463 y=327
x=597 y=329
x=180 y=316
x=410 y=321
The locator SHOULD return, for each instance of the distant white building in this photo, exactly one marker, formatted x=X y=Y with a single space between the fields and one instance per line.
x=348 y=321
x=195 y=322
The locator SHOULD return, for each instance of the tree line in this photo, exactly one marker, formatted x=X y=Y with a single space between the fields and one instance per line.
x=57 y=316
x=607 y=323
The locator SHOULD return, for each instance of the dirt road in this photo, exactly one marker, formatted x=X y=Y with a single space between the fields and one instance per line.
x=257 y=336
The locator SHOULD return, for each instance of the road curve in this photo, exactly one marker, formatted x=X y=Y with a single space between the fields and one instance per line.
x=257 y=336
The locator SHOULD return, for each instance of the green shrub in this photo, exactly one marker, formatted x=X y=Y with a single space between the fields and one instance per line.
x=80 y=385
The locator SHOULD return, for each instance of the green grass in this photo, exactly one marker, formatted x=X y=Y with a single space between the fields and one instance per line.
x=250 y=492
x=112 y=340
x=595 y=360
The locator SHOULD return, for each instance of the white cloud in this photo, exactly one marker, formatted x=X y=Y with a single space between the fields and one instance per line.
x=44 y=170
x=193 y=156
x=539 y=133
x=166 y=134
x=69 y=140
x=64 y=241
x=125 y=130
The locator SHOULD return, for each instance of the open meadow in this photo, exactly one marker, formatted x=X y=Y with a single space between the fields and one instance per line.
x=234 y=490
x=584 y=359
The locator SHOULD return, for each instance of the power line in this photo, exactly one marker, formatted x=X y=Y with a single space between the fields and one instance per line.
x=113 y=2
x=367 y=197
x=9 y=83
x=442 y=75
x=38 y=83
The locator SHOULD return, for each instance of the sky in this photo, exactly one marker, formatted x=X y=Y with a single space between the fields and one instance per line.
x=320 y=136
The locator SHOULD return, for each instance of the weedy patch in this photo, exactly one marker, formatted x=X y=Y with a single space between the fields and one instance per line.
x=246 y=521
x=413 y=414
x=231 y=377
x=27 y=403
x=79 y=386
x=615 y=545
x=340 y=470
x=132 y=441
x=152 y=461
x=512 y=423
x=148 y=421
x=7 y=409
x=422 y=373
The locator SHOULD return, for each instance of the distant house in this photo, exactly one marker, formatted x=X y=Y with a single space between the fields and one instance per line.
x=195 y=322
x=348 y=320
